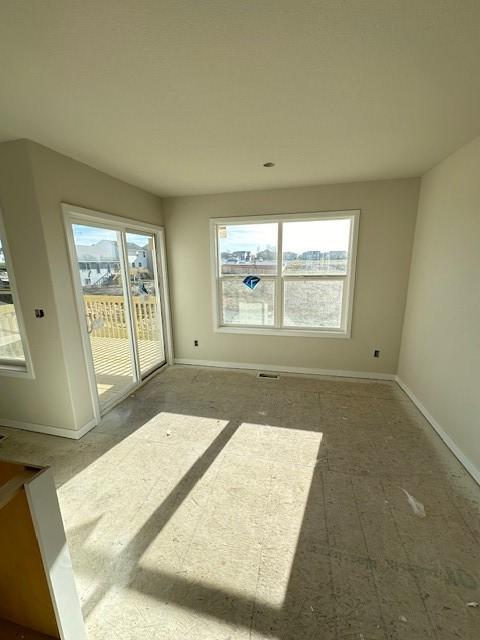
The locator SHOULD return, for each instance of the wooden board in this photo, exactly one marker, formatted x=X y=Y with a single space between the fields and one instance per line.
x=9 y=470
x=24 y=594
x=10 y=631
x=48 y=525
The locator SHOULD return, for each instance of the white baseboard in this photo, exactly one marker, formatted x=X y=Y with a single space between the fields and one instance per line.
x=457 y=452
x=73 y=434
x=285 y=369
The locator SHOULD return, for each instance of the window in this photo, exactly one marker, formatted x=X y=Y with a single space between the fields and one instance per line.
x=285 y=275
x=12 y=343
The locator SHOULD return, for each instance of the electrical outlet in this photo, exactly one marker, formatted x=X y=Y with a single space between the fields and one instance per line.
x=376 y=353
x=195 y=343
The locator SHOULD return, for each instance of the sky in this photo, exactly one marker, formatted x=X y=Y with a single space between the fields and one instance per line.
x=324 y=235
x=87 y=235
x=248 y=237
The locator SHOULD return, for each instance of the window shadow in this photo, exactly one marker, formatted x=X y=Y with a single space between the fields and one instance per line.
x=330 y=589
x=157 y=521
x=307 y=610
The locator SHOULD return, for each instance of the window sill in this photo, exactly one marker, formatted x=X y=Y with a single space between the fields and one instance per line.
x=306 y=333
x=15 y=370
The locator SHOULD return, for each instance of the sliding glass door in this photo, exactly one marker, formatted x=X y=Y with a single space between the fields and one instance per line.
x=147 y=314
x=119 y=281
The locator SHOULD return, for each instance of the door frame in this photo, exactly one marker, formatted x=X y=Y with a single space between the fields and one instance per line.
x=74 y=214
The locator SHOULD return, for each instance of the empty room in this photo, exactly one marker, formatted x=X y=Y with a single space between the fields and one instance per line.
x=239 y=320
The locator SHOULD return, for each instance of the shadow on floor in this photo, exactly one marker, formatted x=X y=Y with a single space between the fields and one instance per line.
x=339 y=583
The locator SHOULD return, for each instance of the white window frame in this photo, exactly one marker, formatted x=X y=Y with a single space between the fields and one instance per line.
x=73 y=214
x=8 y=367
x=278 y=330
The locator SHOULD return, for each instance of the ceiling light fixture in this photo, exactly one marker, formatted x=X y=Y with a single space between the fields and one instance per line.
x=269 y=164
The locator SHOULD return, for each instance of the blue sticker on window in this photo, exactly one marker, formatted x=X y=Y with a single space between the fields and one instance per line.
x=251 y=281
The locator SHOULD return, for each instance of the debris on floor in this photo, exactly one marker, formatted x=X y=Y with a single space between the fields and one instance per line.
x=417 y=507
x=281 y=505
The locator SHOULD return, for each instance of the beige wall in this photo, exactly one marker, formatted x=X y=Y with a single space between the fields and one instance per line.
x=385 y=238
x=440 y=354
x=45 y=399
x=33 y=182
x=440 y=351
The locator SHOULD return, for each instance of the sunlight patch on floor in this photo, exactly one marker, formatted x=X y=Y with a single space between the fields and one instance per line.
x=212 y=506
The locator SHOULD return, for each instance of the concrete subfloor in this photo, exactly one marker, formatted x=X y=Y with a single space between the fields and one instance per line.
x=216 y=505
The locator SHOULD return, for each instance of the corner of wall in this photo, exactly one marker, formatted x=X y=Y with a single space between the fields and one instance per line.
x=438 y=361
x=24 y=400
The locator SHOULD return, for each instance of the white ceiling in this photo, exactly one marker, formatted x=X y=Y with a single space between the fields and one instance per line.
x=192 y=96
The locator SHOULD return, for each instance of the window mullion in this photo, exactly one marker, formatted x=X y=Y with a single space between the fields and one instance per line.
x=339 y=276
x=219 y=303
x=278 y=281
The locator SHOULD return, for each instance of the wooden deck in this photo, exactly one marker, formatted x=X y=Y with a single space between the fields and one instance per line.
x=113 y=367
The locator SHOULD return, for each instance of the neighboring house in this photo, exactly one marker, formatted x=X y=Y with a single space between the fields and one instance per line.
x=96 y=262
x=96 y=272
x=141 y=259
x=99 y=263
x=242 y=256
x=266 y=254
x=4 y=279
x=311 y=255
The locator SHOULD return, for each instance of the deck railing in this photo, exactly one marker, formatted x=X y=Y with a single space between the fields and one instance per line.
x=10 y=339
x=106 y=316
x=106 y=319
